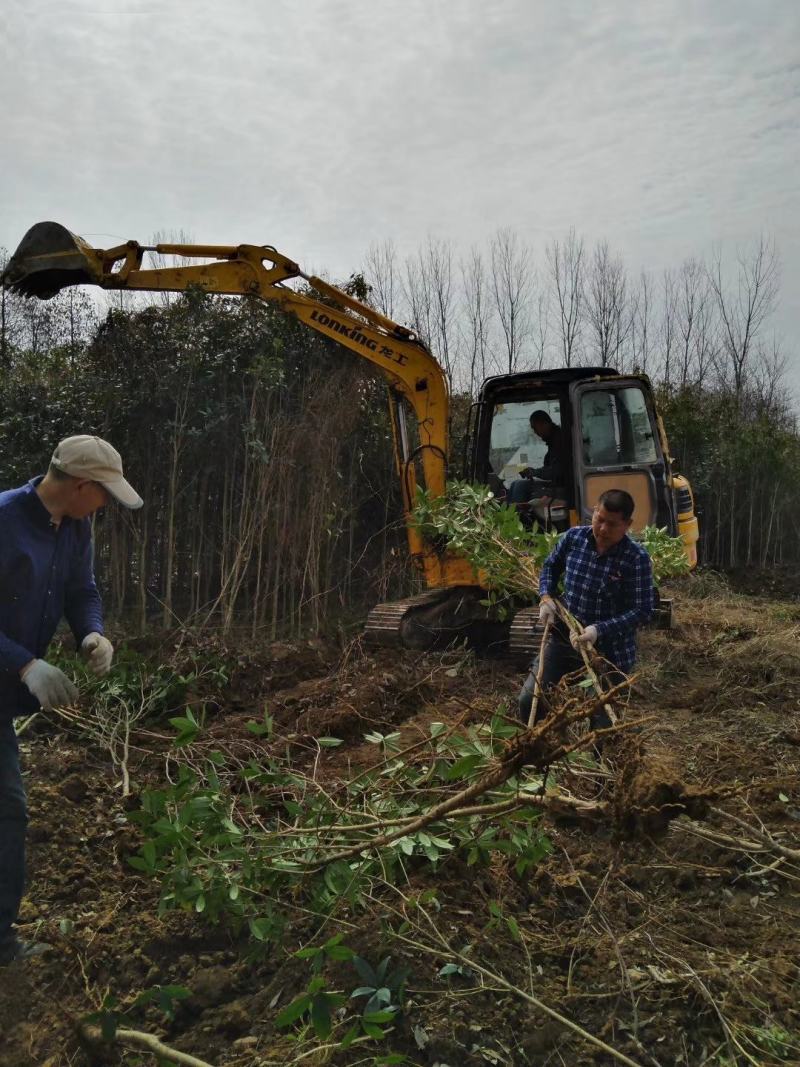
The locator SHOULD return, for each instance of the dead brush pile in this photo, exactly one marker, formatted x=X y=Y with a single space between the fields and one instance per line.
x=764 y=667
x=734 y=652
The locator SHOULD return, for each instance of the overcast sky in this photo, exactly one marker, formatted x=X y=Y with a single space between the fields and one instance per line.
x=320 y=127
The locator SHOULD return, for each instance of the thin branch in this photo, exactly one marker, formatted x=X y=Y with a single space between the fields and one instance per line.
x=151 y=1043
x=500 y=980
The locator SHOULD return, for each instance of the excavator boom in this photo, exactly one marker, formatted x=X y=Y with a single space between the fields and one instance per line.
x=51 y=258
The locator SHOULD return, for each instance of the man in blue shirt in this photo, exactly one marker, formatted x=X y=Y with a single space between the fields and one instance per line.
x=608 y=587
x=46 y=571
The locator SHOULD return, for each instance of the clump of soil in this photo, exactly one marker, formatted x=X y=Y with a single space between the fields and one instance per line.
x=648 y=792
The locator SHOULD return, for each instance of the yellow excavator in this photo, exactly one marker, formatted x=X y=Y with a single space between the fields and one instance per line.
x=609 y=430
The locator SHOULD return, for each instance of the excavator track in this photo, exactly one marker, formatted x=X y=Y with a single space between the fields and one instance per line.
x=439 y=618
x=385 y=621
x=525 y=634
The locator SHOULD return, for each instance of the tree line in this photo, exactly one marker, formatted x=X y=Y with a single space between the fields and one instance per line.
x=703 y=332
x=263 y=452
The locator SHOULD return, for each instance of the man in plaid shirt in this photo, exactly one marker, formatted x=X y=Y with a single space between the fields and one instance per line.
x=608 y=587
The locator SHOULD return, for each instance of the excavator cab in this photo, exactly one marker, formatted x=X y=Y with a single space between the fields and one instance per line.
x=605 y=433
x=608 y=435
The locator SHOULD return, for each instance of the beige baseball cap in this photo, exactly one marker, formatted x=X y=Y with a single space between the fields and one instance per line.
x=90 y=457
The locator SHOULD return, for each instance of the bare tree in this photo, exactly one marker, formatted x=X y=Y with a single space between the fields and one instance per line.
x=512 y=285
x=607 y=305
x=668 y=326
x=159 y=259
x=381 y=275
x=769 y=375
x=706 y=343
x=418 y=296
x=692 y=299
x=439 y=257
x=566 y=265
x=428 y=286
x=742 y=312
x=641 y=338
x=477 y=317
x=541 y=328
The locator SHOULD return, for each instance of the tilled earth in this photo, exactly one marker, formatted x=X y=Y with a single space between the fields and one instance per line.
x=676 y=949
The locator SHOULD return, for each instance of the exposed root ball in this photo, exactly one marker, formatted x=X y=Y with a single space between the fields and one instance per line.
x=648 y=794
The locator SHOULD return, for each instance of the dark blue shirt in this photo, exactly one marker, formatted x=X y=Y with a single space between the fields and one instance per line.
x=612 y=591
x=46 y=572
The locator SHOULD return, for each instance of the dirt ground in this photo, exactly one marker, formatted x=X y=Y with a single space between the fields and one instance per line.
x=681 y=948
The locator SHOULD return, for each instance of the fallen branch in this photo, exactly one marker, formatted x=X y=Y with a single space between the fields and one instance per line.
x=524 y=750
x=761 y=835
x=538 y=681
x=149 y=1042
x=21 y=727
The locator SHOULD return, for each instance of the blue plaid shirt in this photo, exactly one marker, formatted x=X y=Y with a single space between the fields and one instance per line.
x=612 y=591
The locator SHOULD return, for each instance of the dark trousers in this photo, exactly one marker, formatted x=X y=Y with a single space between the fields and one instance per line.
x=560 y=658
x=523 y=490
x=13 y=824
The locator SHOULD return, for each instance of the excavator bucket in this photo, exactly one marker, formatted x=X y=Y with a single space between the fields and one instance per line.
x=48 y=259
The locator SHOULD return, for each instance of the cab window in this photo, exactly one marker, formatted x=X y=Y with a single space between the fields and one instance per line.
x=513 y=445
x=616 y=428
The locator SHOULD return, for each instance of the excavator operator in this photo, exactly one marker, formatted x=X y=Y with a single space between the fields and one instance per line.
x=550 y=480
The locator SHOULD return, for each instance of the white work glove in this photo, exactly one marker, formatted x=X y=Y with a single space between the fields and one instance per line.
x=99 y=652
x=587 y=637
x=49 y=685
x=547 y=611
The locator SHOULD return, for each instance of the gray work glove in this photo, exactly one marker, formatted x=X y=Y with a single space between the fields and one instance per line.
x=49 y=685
x=547 y=611
x=587 y=637
x=99 y=652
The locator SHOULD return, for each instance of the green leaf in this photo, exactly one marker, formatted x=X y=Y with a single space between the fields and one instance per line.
x=384 y=1016
x=464 y=767
x=308 y=953
x=350 y=1037
x=294 y=1011
x=371 y=1030
x=260 y=929
x=365 y=972
x=321 y=1016
x=339 y=952
x=329 y=742
x=513 y=927
x=109 y=1021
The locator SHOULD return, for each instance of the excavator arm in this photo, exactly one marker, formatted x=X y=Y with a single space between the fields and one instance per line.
x=50 y=258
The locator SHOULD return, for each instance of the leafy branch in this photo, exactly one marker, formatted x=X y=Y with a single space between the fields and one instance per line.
x=469 y=521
